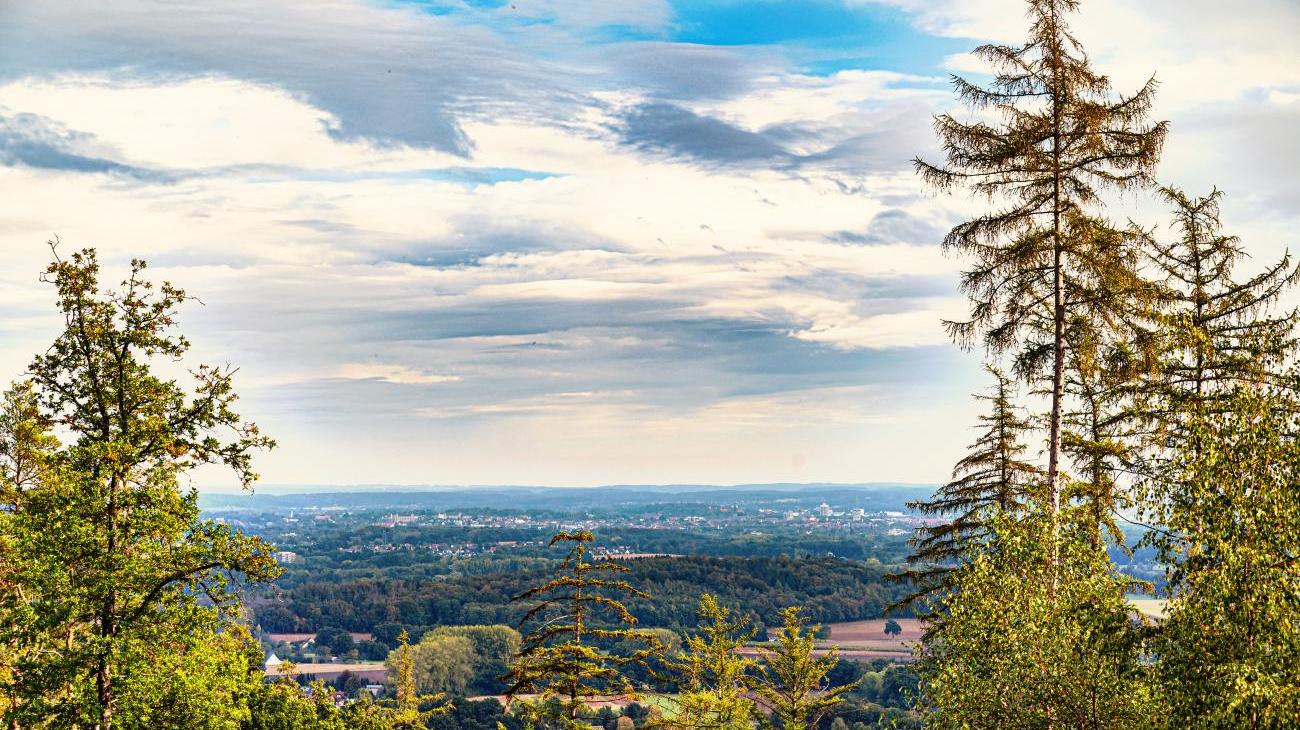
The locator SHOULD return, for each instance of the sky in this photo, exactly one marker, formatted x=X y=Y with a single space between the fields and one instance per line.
x=567 y=242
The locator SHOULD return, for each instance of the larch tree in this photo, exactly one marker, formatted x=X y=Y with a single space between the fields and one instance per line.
x=995 y=477
x=1219 y=331
x=1050 y=138
x=793 y=686
x=579 y=614
x=118 y=576
x=714 y=679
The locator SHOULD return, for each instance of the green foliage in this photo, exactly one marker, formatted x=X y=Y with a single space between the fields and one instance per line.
x=443 y=663
x=792 y=684
x=107 y=557
x=994 y=477
x=1229 y=650
x=830 y=589
x=1024 y=645
x=494 y=649
x=560 y=660
x=713 y=679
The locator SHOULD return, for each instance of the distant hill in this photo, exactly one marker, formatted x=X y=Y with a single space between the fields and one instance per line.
x=868 y=496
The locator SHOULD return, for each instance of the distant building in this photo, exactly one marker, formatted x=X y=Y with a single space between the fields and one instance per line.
x=271 y=661
x=824 y=510
x=285 y=556
x=859 y=514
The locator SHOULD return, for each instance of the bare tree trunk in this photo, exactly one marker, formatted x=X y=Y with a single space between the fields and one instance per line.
x=1058 y=345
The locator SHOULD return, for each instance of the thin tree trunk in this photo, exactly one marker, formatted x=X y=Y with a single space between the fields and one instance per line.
x=1058 y=343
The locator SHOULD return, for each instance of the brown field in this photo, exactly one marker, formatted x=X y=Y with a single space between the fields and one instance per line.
x=356 y=636
x=373 y=671
x=870 y=636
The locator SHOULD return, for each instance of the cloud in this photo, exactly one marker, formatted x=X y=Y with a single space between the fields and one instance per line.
x=41 y=143
x=665 y=128
x=398 y=374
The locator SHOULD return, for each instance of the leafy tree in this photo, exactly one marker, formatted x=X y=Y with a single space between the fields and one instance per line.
x=1229 y=651
x=714 y=679
x=792 y=684
x=1026 y=645
x=993 y=478
x=892 y=628
x=494 y=649
x=339 y=641
x=444 y=663
x=112 y=555
x=1041 y=258
x=560 y=659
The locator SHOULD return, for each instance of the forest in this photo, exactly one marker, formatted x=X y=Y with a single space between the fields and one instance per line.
x=828 y=589
x=1138 y=376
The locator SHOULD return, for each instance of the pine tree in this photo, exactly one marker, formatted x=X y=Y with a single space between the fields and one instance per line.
x=1109 y=356
x=562 y=658
x=994 y=478
x=793 y=686
x=1040 y=256
x=714 y=678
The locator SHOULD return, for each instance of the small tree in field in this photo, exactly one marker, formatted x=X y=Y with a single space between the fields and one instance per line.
x=562 y=659
x=892 y=628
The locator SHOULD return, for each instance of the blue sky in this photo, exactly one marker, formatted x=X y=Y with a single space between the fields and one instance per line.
x=564 y=242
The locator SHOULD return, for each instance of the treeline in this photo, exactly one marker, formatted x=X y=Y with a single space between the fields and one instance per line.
x=829 y=589
x=327 y=546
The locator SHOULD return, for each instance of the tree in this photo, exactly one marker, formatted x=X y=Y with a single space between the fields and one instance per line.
x=339 y=641
x=112 y=554
x=1218 y=332
x=993 y=478
x=408 y=709
x=560 y=658
x=444 y=663
x=792 y=685
x=494 y=649
x=713 y=678
x=1229 y=649
x=1041 y=257
x=892 y=628
x=1027 y=645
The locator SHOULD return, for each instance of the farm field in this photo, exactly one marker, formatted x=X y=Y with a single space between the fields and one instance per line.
x=870 y=635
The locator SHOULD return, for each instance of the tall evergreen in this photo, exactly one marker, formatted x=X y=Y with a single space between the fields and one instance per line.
x=793 y=684
x=1110 y=353
x=994 y=477
x=1219 y=331
x=1056 y=139
x=565 y=657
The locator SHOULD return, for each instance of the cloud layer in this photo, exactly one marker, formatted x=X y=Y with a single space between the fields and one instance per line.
x=550 y=242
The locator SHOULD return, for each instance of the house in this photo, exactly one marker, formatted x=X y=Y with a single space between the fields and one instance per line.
x=271 y=661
